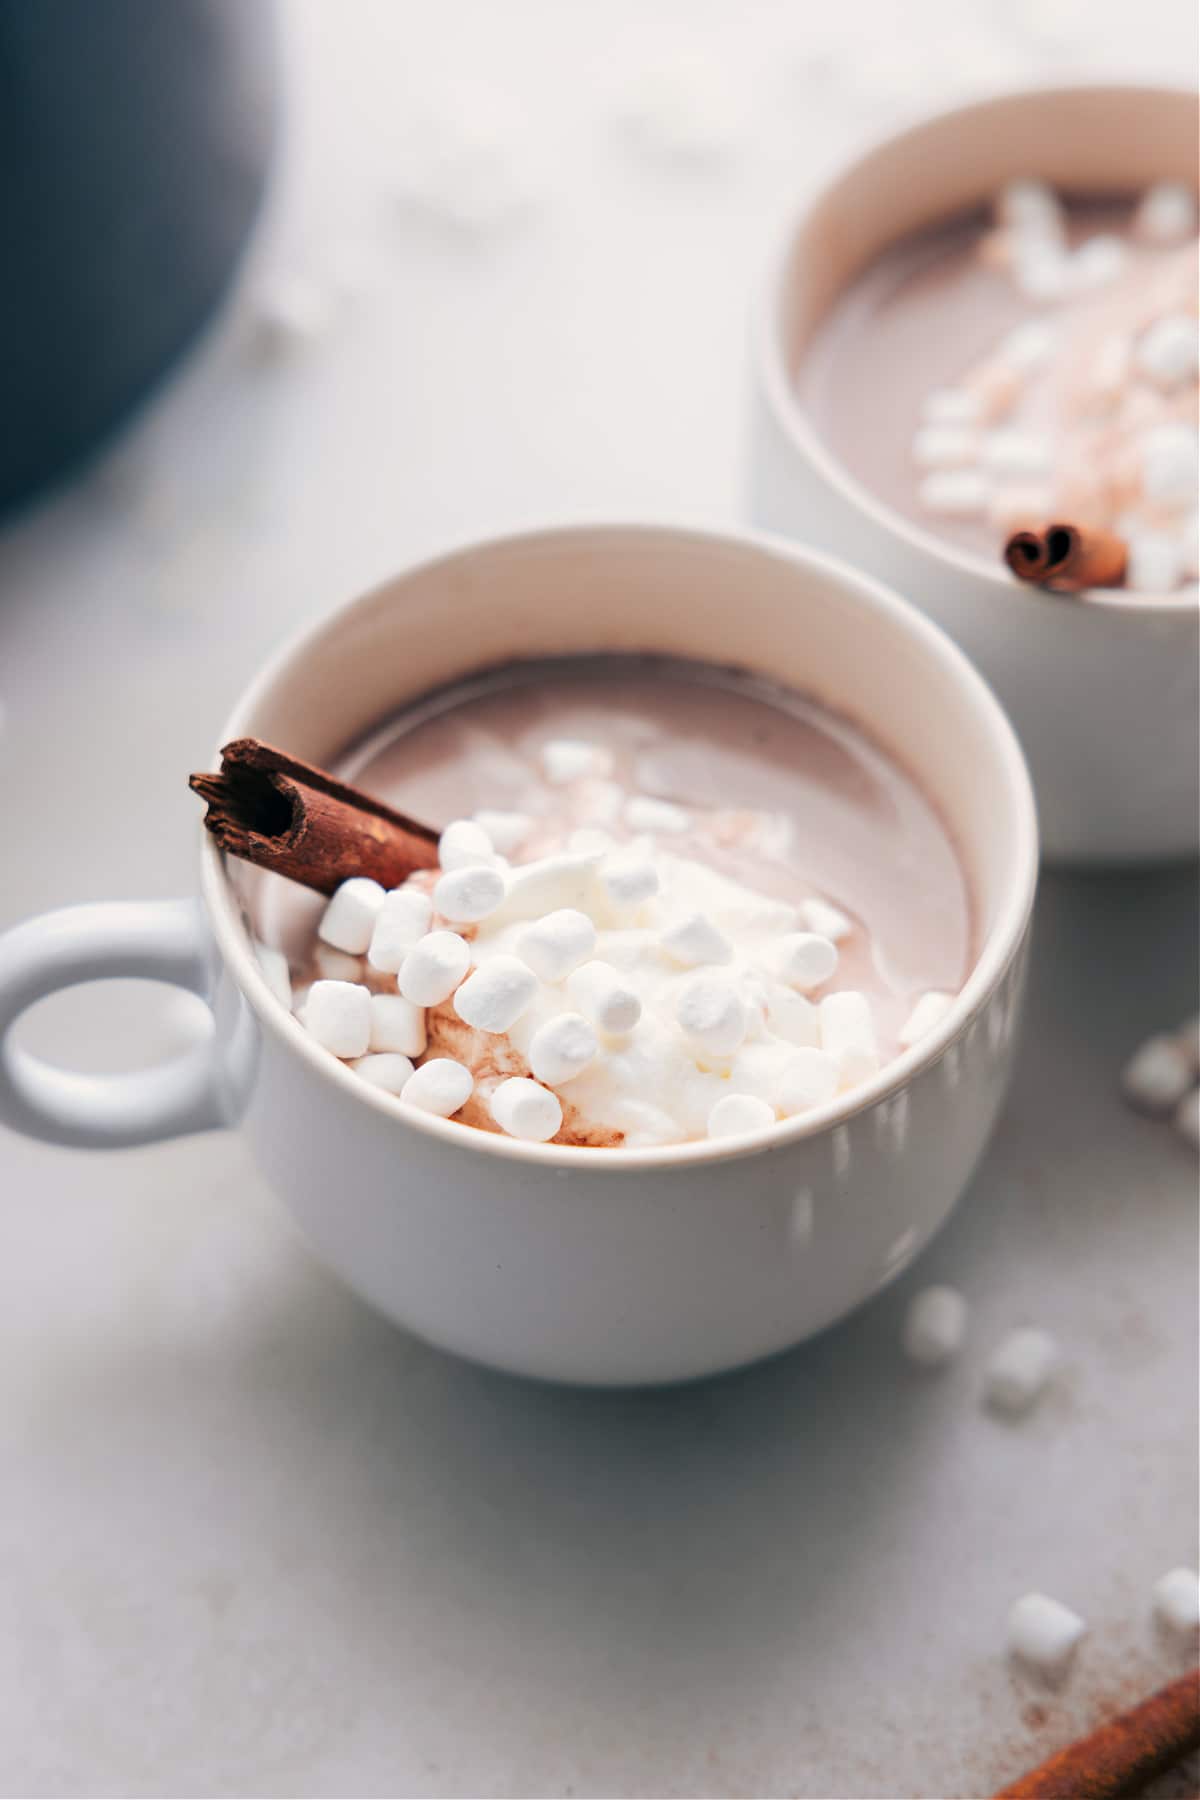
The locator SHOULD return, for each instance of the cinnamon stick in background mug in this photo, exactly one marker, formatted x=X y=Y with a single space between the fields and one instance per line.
x=1068 y=558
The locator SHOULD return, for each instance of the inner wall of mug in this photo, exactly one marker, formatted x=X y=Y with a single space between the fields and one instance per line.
x=809 y=627
x=1085 y=140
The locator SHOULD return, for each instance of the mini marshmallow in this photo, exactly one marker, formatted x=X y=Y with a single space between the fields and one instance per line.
x=440 y=1086
x=1098 y=261
x=338 y=1015
x=349 y=919
x=505 y=829
x=713 y=1014
x=1154 y=564
x=570 y=759
x=1019 y=1369
x=826 y=920
x=944 y=446
x=1169 y=465
x=1014 y=455
x=525 y=1110
x=954 y=493
x=469 y=894
x=388 y=1071
x=336 y=965
x=848 y=1034
x=1010 y=508
x=396 y=1024
x=463 y=845
x=1166 y=352
x=591 y=840
x=1041 y=270
x=735 y=1113
x=495 y=995
x=562 y=1048
x=1157 y=1075
x=805 y=960
x=643 y=813
x=603 y=997
x=695 y=941
x=1029 y=346
x=1110 y=370
x=557 y=944
x=808 y=1078
x=1177 y=1603
x=403 y=920
x=934 y=1326
x=792 y=1017
x=433 y=968
x=629 y=879
x=929 y=1011
x=1166 y=213
x=1186 y=1118
x=1030 y=207
x=951 y=406
x=1044 y=1634
x=566 y=879
x=275 y=972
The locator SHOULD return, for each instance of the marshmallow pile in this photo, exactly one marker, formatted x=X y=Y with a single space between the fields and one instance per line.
x=635 y=994
x=1120 y=450
x=1162 y=1078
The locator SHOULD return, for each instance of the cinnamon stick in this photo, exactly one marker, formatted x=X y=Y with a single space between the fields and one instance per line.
x=1067 y=557
x=276 y=812
x=1122 y=1756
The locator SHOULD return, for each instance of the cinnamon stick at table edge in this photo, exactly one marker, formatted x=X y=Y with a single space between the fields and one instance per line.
x=1067 y=557
x=278 y=813
x=1119 y=1758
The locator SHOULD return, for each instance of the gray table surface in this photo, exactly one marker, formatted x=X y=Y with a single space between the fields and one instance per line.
x=255 y=1541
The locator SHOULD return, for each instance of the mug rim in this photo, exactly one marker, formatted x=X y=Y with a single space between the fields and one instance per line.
x=1001 y=947
x=769 y=358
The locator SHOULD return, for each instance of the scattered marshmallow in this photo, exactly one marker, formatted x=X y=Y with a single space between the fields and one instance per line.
x=275 y=971
x=1019 y=1370
x=1013 y=455
x=288 y=313
x=557 y=943
x=338 y=1015
x=389 y=1071
x=1167 y=351
x=463 y=845
x=562 y=1048
x=944 y=446
x=349 y=920
x=1154 y=564
x=525 y=1110
x=569 y=759
x=928 y=1013
x=826 y=920
x=465 y=896
x=440 y=1086
x=403 y=921
x=1186 y=1118
x=496 y=994
x=954 y=493
x=1098 y=261
x=1177 y=1603
x=506 y=830
x=934 y=1326
x=734 y=1114
x=1044 y=1634
x=805 y=960
x=1166 y=214
x=695 y=941
x=630 y=879
x=1029 y=346
x=601 y=994
x=396 y=1024
x=848 y=1034
x=643 y=813
x=713 y=1014
x=433 y=968
x=951 y=406
x=1169 y=464
x=1158 y=1075
x=685 y=109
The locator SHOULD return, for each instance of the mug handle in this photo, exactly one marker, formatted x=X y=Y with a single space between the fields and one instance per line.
x=157 y=940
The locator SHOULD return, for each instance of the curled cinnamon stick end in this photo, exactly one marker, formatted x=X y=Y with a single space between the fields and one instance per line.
x=1122 y=1756
x=1067 y=557
x=278 y=813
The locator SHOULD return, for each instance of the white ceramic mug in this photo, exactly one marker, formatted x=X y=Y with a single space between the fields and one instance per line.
x=1103 y=690
x=579 y=1264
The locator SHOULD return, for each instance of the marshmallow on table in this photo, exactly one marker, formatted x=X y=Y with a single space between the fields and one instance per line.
x=349 y=920
x=496 y=994
x=463 y=845
x=929 y=1011
x=644 y=813
x=805 y=960
x=403 y=919
x=387 y=1070
x=558 y=943
x=848 y=1034
x=569 y=759
x=338 y=1015
x=602 y=996
x=1158 y=1075
x=736 y=1113
x=562 y=1048
x=934 y=1326
x=396 y=1024
x=1166 y=352
x=713 y=1014
x=1186 y=1118
x=695 y=941
x=469 y=894
x=1044 y=1634
x=1177 y=1603
x=1154 y=564
x=505 y=829
x=275 y=972
x=1019 y=1370
x=826 y=920
x=1166 y=213
x=440 y=1086
x=525 y=1110
x=433 y=968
